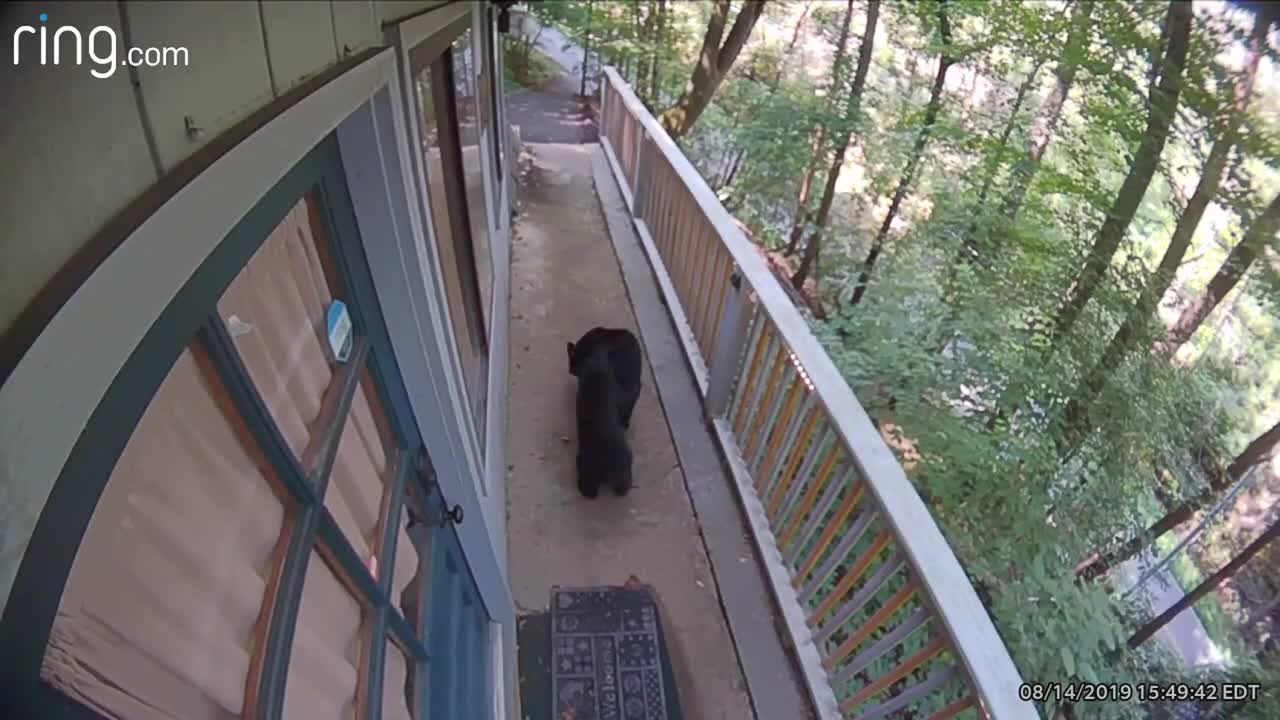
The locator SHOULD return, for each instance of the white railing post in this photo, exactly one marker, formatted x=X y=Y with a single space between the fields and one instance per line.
x=639 y=146
x=604 y=101
x=730 y=343
x=643 y=176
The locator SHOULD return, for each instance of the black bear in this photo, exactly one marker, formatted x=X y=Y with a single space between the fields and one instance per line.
x=624 y=358
x=607 y=364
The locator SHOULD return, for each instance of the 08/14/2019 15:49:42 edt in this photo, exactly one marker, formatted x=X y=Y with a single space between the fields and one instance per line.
x=1140 y=692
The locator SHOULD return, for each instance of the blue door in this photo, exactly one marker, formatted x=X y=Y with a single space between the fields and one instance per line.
x=459 y=684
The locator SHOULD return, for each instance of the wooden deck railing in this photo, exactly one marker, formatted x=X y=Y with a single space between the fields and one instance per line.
x=883 y=618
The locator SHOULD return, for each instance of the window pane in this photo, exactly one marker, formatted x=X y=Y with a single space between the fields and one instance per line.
x=158 y=615
x=490 y=99
x=464 y=315
x=357 y=484
x=325 y=662
x=275 y=312
x=470 y=106
x=398 y=685
x=409 y=584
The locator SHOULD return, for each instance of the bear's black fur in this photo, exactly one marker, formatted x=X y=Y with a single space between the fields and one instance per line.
x=625 y=361
x=607 y=364
x=603 y=454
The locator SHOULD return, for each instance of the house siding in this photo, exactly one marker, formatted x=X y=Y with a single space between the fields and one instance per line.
x=80 y=144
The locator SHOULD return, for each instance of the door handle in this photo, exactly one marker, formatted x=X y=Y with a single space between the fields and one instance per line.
x=425 y=470
x=453 y=516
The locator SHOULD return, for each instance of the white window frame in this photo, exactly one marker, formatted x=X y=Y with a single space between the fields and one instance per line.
x=489 y=466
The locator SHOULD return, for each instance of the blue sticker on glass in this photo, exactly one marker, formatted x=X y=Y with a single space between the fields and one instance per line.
x=339 y=330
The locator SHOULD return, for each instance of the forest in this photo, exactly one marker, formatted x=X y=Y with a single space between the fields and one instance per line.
x=1039 y=239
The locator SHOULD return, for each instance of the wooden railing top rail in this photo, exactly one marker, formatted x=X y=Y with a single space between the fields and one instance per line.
x=995 y=677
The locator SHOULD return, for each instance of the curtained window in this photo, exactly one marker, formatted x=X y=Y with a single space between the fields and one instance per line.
x=180 y=593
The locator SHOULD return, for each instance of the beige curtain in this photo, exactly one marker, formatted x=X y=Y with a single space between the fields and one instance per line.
x=275 y=311
x=324 y=663
x=394 y=703
x=157 y=618
x=354 y=495
x=159 y=614
x=354 y=499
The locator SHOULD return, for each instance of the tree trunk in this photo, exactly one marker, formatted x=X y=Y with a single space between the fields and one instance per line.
x=1163 y=105
x=655 y=88
x=1126 y=338
x=714 y=62
x=1259 y=234
x=647 y=28
x=729 y=169
x=945 y=61
x=802 y=197
x=853 y=108
x=772 y=83
x=801 y=218
x=970 y=244
x=1255 y=452
x=1046 y=121
x=586 y=47
x=1206 y=586
x=796 y=32
x=1219 y=482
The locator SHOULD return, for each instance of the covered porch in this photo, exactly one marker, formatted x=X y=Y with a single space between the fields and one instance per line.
x=800 y=574
x=678 y=530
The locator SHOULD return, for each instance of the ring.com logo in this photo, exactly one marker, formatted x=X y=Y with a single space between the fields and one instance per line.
x=103 y=49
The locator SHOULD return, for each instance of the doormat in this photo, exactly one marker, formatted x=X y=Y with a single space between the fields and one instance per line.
x=609 y=659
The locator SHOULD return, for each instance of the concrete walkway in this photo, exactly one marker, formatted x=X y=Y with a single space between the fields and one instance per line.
x=565 y=279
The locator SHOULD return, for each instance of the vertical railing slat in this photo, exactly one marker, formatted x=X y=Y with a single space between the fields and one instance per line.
x=854 y=605
x=799 y=486
x=820 y=482
x=773 y=439
x=828 y=534
x=873 y=623
x=852 y=574
x=903 y=669
x=798 y=445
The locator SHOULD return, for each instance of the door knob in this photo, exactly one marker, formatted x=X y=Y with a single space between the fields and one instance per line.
x=455 y=515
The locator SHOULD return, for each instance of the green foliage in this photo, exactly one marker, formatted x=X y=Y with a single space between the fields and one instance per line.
x=527 y=68
x=956 y=351
x=958 y=357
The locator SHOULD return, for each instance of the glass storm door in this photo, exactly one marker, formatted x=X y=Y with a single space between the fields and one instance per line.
x=269 y=539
